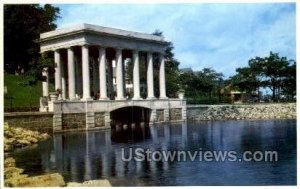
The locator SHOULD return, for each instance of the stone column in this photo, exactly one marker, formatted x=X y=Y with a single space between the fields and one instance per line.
x=102 y=73
x=85 y=73
x=136 y=76
x=162 y=79
x=119 y=75
x=71 y=73
x=63 y=81
x=150 y=86
x=45 y=82
x=57 y=60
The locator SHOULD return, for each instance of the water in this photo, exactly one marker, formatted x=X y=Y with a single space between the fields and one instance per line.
x=97 y=154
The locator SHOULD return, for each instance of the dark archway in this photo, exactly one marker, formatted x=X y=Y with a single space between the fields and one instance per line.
x=130 y=124
x=129 y=115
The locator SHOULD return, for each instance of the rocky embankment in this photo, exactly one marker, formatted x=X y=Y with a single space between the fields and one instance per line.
x=237 y=112
x=14 y=177
x=15 y=137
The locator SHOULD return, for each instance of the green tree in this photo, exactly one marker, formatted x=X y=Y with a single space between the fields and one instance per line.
x=202 y=86
x=171 y=69
x=275 y=72
x=246 y=79
x=22 y=27
x=289 y=82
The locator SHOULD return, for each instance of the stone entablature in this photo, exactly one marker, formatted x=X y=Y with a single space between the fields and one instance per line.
x=87 y=34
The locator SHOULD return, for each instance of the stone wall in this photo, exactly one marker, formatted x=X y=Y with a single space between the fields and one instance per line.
x=35 y=121
x=175 y=114
x=160 y=115
x=99 y=119
x=251 y=111
x=73 y=121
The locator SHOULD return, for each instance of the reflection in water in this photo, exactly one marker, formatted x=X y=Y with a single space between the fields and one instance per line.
x=135 y=132
x=97 y=154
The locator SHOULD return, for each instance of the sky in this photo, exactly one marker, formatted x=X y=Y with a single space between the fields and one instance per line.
x=218 y=36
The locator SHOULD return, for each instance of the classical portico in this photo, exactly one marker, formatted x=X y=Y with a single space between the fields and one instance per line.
x=84 y=56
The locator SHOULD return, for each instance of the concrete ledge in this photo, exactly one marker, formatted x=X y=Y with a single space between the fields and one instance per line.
x=82 y=129
x=13 y=114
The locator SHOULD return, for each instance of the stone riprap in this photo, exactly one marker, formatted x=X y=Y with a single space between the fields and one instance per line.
x=15 y=137
x=90 y=183
x=236 y=112
x=14 y=177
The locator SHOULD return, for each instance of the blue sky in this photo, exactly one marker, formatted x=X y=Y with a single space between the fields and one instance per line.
x=220 y=36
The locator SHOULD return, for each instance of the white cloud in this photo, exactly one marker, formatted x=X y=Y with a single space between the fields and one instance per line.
x=221 y=36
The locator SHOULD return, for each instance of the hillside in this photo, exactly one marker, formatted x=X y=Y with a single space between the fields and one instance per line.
x=20 y=96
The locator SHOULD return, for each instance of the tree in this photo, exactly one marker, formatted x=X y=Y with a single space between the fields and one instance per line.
x=289 y=82
x=171 y=69
x=22 y=27
x=246 y=79
x=201 y=86
x=275 y=72
x=274 y=69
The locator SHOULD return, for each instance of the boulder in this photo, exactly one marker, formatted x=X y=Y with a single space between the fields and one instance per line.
x=90 y=183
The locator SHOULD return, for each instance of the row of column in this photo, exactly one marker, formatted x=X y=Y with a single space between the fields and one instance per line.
x=60 y=79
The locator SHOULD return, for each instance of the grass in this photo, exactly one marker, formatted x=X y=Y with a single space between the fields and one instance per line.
x=20 y=95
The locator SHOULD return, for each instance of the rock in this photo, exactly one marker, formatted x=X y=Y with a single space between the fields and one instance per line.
x=261 y=111
x=90 y=183
x=13 y=177
x=23 y=142
x=32 y=139
x=47 y=180
x=19 y=137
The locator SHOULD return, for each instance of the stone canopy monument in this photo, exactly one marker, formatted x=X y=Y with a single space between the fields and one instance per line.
x=90 y=76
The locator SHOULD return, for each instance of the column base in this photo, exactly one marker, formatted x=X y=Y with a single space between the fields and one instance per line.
x=106 y=98
x=136 y=98
x=150 y=98
x=73 y=99
x=163 y=98
x=122 y=98
x=86 y=99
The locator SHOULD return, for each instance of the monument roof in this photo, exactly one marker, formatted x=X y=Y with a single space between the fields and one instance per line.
x=89 y=28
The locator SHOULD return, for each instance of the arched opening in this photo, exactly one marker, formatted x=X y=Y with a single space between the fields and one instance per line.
x=130 y=124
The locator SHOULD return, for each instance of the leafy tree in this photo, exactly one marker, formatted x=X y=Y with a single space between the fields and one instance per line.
x=246 y=79
x=275 y=72
x=202 y=85
x=22 y=27
x=171 y=69
x=289 y=82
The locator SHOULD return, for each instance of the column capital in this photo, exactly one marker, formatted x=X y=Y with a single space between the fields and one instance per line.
x=118 y=48
x=85 y=45
x=70 y=47
x=161 y=54
x=102 y=47
x=150 y=52
x=135 y=50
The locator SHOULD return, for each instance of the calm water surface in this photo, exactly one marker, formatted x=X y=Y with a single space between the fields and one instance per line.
x=97 y=154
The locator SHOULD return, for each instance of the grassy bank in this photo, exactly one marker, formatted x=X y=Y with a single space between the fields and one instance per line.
x=19 y=95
